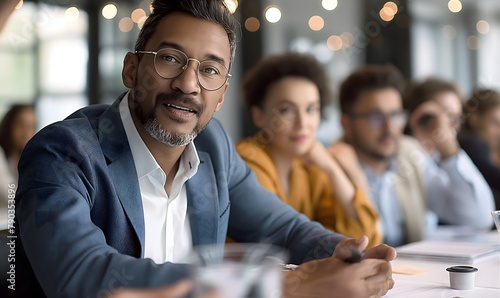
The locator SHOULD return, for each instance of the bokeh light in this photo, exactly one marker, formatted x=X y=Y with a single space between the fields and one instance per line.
x=329 y=4
x=141 y=22
x=252 y=24
x=347 y=39
x=387 y=14
x=483 y=27
x=126 y=24
x=109 y=11
x=392 y=6
x=137 y=14
x=449 y=32
x=334 y=43
x=232 y=5
x=273 y=14
x=473 y=42
x=316 y=23
x=72 y=13
x=455 y=6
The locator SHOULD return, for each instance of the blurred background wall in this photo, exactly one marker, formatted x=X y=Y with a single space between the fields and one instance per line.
x=65 y=54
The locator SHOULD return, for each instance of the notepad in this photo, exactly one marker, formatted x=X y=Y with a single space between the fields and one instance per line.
x=452 y=252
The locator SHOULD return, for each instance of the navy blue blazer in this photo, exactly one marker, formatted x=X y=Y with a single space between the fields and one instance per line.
x=80 y=217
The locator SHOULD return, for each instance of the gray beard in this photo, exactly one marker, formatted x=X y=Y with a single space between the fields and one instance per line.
x=154 y=129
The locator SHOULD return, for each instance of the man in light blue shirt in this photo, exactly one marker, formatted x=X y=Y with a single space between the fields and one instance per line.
x=411 y=189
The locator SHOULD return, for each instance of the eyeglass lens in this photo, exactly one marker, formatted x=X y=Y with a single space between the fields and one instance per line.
x=170 y=63
x=396 y=118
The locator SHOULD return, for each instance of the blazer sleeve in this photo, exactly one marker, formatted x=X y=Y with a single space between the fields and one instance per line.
x=69 y=255
x=331 y=214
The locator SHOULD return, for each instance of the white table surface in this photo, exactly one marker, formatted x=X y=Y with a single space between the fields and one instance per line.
x=434 y=282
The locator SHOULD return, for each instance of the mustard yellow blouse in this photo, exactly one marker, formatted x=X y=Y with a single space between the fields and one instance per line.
x=311 y=193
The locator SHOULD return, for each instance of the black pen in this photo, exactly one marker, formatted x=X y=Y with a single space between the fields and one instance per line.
x=355 y=257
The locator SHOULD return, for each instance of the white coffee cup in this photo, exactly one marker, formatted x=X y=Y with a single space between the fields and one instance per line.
x=462 y=277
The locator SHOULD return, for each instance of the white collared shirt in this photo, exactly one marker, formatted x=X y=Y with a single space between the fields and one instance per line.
x=166 y=224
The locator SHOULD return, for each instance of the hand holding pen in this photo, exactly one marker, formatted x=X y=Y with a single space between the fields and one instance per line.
x=352 y=271
x=353 y=251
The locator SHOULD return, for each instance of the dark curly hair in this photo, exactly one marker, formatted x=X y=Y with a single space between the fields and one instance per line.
x=367 y=78
x=211 y=10
x=7 y=125
x=481 y=101
x=258 y=80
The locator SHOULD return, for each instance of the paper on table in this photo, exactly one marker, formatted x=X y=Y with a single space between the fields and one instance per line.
x=459 y=252
x=412 y=289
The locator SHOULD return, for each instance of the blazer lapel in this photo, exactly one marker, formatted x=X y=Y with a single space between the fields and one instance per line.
x=203 y=205
x=114 y=143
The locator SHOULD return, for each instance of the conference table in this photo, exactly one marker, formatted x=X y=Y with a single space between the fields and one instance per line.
x=425 y=278
x=428 y=278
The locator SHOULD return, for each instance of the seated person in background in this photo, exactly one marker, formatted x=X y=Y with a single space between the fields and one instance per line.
x=439 y=94
x=285 y=95
x=405 y=182
x=117 y=196
x=480 y=136
x=17 y=128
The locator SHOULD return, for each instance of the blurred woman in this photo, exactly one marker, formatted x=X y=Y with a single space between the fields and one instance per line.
x=481 y=136
x=285 y=95
x=16 y=129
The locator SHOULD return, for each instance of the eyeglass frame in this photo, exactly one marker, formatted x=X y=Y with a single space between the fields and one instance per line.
x=386 y=117
x=185 y=66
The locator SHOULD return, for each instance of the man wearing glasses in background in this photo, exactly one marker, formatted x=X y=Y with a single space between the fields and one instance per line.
x=408 y=187
x=116 y=196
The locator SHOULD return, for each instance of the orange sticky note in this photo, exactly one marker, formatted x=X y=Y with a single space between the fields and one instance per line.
x=408 y=270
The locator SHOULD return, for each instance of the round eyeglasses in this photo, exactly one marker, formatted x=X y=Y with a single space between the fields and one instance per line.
x=379 y=119
x=171 y=63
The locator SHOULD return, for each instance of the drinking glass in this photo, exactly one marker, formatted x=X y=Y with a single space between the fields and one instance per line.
x=238 y=270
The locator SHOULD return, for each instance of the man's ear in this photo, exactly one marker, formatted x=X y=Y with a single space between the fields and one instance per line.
x=221 y=99
x=129 y=71
x=473 y=120
x=345 y=121
x=257 y=116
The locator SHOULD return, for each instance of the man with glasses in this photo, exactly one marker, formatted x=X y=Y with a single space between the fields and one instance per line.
x=408 y=187
x=117 y=196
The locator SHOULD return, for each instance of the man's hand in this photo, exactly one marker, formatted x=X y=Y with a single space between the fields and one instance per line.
x=333 y=277
x=437 y=133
